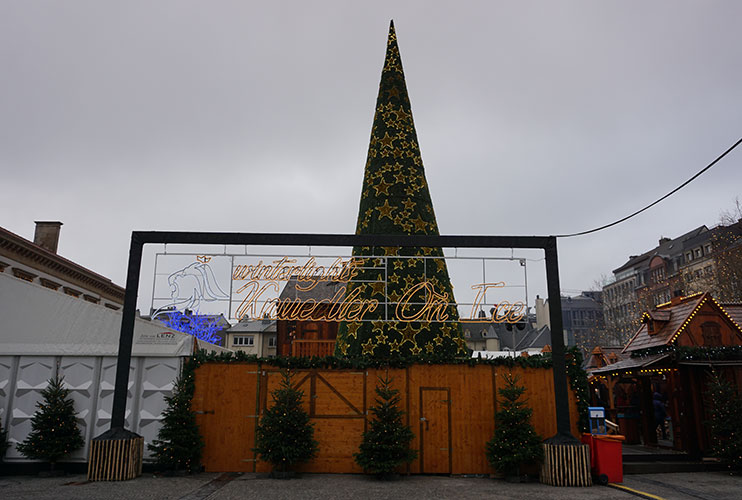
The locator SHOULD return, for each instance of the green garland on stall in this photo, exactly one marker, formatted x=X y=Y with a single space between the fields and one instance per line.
x=687 y=353
x=299 y=363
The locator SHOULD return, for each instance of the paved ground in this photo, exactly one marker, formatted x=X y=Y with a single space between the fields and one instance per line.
x=704 y=486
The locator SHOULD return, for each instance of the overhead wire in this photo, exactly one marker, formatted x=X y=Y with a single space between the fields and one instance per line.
x=606 y=226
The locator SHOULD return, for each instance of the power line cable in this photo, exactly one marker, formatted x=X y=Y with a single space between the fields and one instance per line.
x=581 y=233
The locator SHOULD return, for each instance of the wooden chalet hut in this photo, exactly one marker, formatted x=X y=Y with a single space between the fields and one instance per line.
x=310 y=337
x=670 y=360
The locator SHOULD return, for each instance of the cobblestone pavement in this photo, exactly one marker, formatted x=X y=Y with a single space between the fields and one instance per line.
x=703 y=486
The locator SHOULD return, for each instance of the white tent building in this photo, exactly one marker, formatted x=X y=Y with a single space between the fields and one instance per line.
x=44 y=332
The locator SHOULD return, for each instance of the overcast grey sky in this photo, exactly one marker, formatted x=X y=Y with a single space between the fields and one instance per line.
x=533 y=118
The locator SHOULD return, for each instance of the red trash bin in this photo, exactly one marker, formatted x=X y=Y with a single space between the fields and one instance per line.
x=587 y=438
x=608 y=458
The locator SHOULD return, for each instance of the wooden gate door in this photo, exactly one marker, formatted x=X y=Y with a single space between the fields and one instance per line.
x=225 y=402
x=435 y=430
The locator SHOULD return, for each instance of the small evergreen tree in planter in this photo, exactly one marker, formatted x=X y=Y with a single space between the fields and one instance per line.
x=515 y=442
x=179 y=443
x=284 y=434
x=54 y=431
x=724 y=422
x=386 y=444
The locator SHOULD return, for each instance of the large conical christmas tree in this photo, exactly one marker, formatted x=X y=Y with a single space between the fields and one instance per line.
x=395 y=200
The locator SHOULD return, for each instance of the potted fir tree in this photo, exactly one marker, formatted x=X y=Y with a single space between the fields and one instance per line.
x=178 y=445
x=726 y=415
x=285 y=436
x=54 y=430
x=515 y=443
x=386 y=444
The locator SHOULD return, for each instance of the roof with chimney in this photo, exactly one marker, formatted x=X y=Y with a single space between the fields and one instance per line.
x=667 y=247
x=663 y=325
x=602 y=356
x=23 y=257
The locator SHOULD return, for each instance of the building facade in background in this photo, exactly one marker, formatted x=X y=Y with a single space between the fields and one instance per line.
x=701 y=260
x=252 y=336
x=582 y=319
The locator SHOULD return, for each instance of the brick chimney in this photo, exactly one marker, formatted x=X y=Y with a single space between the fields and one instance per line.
x=47 y=234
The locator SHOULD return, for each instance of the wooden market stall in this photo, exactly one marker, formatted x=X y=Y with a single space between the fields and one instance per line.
x=663 y=383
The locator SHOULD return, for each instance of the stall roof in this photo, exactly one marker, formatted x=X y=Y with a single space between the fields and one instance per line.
x=671 y=323
x=735 y=312
x=636 y=363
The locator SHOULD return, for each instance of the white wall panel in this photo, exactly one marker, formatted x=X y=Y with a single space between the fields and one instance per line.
x=80 y=378
x=32 y=377
x=105 y=395
x=158 y=379
x=8 y=367
x=91 y=383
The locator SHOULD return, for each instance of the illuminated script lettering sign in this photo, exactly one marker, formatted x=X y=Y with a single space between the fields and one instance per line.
x=257 y=289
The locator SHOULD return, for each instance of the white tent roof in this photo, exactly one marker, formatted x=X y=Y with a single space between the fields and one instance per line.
x=38 y=321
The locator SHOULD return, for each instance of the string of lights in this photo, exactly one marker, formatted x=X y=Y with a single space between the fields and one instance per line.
x=606 y=226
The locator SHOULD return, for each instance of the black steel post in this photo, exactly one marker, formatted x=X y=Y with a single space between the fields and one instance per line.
x=127 y=333
x=561 y=395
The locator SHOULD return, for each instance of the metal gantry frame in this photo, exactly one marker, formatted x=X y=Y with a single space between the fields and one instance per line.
x=373 y=267
x=546 y=243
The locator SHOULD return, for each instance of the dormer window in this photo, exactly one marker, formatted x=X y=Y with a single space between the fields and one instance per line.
x=711 y=333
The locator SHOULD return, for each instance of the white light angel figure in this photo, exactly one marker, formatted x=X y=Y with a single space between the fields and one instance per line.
x=192 y=285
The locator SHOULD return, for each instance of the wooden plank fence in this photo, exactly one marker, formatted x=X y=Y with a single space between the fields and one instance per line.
x=450 y=408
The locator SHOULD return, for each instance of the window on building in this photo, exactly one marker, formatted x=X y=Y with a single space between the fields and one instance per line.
x=272 y=341
x=707 y=270
x=243 y=340
x=698 y=253
x=707 y=249
x=91 y=298
x=22 y=274
x=49 y=283
x=689 y=256
x=71 y=291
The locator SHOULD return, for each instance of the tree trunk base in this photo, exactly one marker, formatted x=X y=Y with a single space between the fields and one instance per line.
x=115 y=455
x=566 y=465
